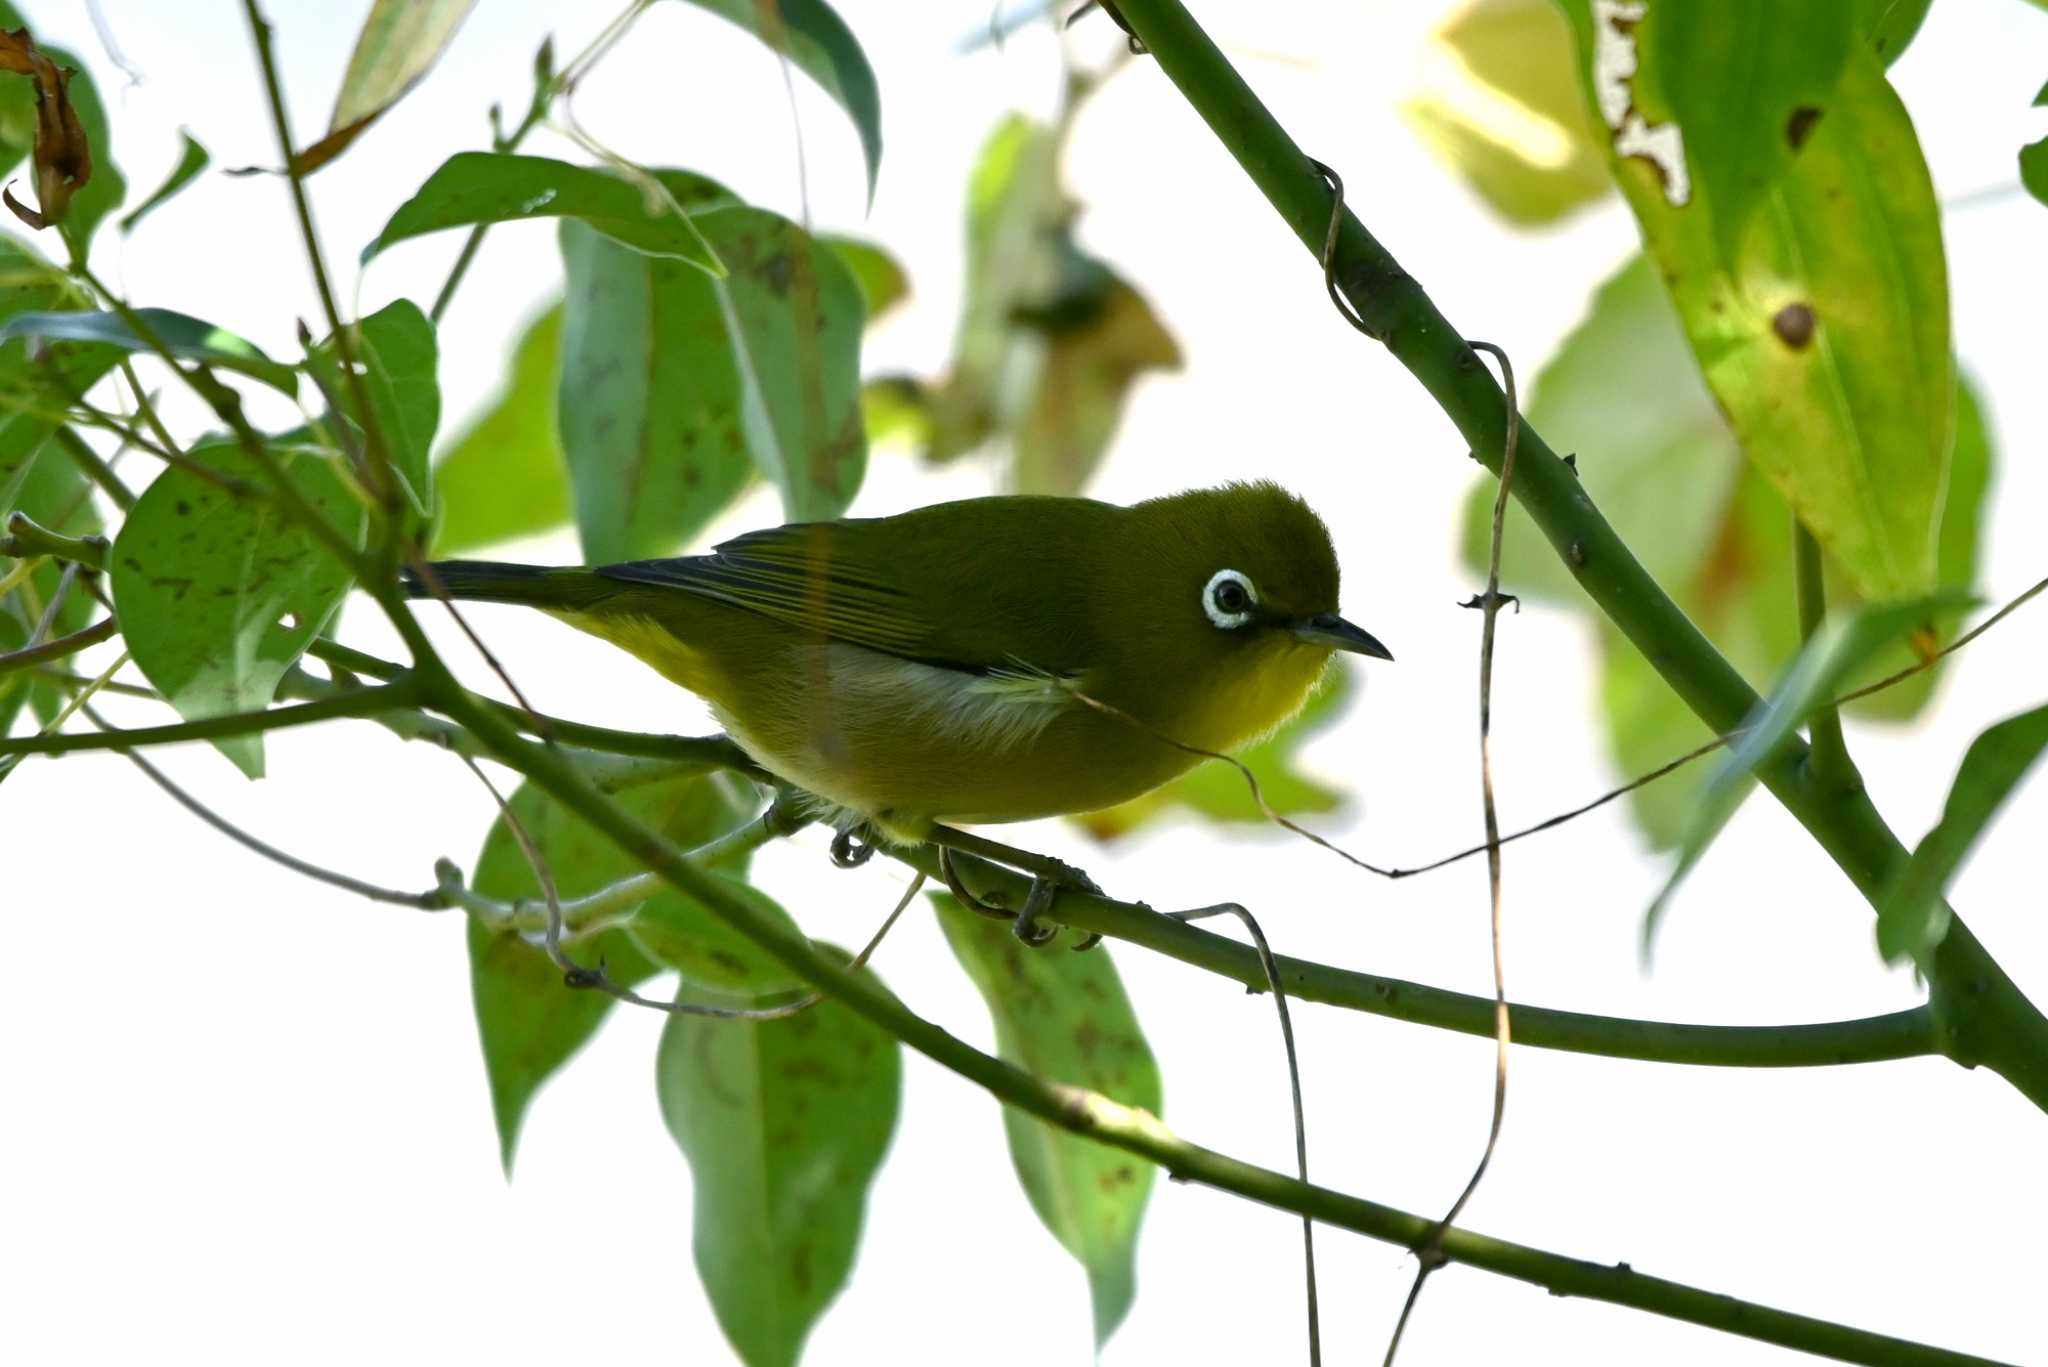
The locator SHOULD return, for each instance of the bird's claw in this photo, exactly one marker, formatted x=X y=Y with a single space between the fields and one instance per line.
x=852 y=847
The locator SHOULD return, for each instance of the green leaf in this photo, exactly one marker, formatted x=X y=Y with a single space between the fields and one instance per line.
x=505 y=476
x=649 y=399
x=37 y=382
x=820 y=44
x=185 y=336
x=497 y=187
x=1842 y=645
x=784 y=1124
x=528 y=1020
x=1818 y=308
x=103 y=193
x=1912 y=920
x=396 y=348
x=219 y=593
x=1092 y=358
x=2034 y=169
x=1500 y=103
x=675 y=386
x=679 y=934
x=2034 y=159
x=1218 y=792
x=56 y=495
x=1050 y=338
x=400 y=42
x=1785 y=60
x=1659 y=459
x=1890 y=25
x=1065 y=1017
x=194 y=160
x=794 y=319
x=883 y=283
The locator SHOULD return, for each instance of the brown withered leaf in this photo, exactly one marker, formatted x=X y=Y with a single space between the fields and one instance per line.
x=63 y=156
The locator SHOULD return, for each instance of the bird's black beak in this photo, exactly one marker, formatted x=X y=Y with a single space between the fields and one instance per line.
x=1332 y=632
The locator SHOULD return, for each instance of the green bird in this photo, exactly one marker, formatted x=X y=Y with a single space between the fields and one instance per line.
x=987 y=660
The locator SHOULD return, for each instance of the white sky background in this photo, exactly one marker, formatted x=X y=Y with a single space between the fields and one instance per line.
x=246 y=1116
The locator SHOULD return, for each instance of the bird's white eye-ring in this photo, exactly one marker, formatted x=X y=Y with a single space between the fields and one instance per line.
x=1229 y=598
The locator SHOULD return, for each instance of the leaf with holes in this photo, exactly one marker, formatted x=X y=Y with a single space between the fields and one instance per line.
x=399 y=43
x=1821 y=317
x=184 y=336
x=1912 y=920
x=1787 y=60
x=784 y=1124
x=529 y=1021
x=472 y=188
x=1065 y=1018
x=818 y=41
x=219 y=592
x=505 y=475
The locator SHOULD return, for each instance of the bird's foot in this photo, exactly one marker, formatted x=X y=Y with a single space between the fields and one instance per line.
x=1049 y=877
x=853 y=847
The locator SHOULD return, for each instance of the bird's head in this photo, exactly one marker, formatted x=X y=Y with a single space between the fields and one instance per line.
x=1254 y=566
x=1242 y=586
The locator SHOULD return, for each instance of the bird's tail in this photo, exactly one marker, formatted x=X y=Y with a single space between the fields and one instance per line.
x=495 y=581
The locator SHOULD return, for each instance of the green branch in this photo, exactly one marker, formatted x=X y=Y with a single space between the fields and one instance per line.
x=1982 y=1016
x=362 y=702
x=26 y=537
x=712 y=751
x=1902 y=1034
x=28 y=657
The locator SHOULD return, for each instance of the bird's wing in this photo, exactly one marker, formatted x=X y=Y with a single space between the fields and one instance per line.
x=820 y=577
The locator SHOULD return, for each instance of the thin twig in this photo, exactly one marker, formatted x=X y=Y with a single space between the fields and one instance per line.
x=576 y=975
x=1430 y=1256
x=385 y=485
x=30 y=656
x=1273 y=985
x=424 y=901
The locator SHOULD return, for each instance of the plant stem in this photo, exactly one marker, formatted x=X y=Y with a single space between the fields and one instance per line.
x=386 y=482
x=1903 y=1034
x=95 y=469
x=716 y=751
x=1828 y=752
x=1983 y=1017
x=30 y=656
x=25 y=538
x=362 y=702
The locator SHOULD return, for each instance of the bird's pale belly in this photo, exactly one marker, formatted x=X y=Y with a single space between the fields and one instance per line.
x=903 y=744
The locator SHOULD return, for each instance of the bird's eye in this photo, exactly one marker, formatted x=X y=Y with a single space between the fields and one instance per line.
x=1228 y=598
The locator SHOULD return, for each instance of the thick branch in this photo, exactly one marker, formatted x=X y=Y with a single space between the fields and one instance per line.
x=1983 y=1016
